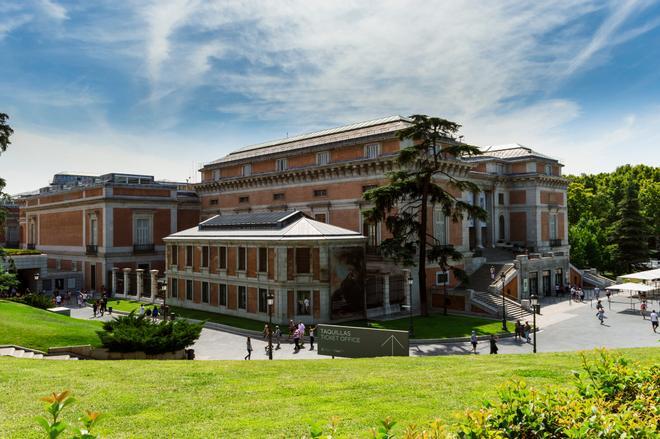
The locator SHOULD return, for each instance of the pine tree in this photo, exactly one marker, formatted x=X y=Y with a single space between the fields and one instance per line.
x=414 y=188
x=630 y=232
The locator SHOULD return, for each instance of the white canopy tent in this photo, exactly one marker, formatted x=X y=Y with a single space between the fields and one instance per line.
x=648 y=275
x=630 y=286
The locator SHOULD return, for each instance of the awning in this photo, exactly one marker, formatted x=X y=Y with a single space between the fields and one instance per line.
x=644 y=275
x=629 y=286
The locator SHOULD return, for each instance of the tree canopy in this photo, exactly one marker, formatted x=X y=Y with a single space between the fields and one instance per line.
x=601 y=206
x=419 y=182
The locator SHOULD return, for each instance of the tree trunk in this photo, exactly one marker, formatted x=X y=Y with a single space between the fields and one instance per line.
x=423 y=297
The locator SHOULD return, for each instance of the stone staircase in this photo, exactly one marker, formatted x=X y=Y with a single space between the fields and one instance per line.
x=493 y=303
x=480 y=280
x=21 y=352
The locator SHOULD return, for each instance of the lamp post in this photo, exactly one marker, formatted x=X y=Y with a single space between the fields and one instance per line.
x=411 y=329
x=36 y=281
x=504 y=328
x=534 y=300
x=270 y=300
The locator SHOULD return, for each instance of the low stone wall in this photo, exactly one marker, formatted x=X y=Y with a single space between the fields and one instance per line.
x=90 y=353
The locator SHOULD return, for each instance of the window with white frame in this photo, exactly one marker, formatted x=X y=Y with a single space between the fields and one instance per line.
x=499 y=168
x=222 y=294
x=93 y=230
x=263 y=300
x=322 y=158
x=553 y=226
x=247 y=170
x=242 y=258
x=174 y=288
x=441 y=277
x=281 y=164
x=548 y=169
x=189 y=289
x=205 y=292
x=143 y=226
x=242 y=297
x=216 y=174
x=440 y=225
x=262 y=260
x=372 y=150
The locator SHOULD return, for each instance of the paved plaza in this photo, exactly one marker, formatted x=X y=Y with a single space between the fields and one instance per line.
x=564 y=327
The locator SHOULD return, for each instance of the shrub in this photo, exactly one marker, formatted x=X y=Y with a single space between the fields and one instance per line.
x=613 y=398
x=132 y=334
x=35 y=300
x=55 y=405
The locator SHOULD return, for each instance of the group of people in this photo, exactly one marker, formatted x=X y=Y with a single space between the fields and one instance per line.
x=100 y=306
x=153 y=312
x=296 y=333
x=522 y=331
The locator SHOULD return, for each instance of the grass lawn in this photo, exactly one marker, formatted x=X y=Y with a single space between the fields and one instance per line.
x=38 y=329
x=440 y=326
x=199 y=399
x=435 y=326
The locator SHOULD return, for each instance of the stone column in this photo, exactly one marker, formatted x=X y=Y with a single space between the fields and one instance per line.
x=386 y=293
x=114 y=280
x=140 y=284
x=154 y=285
x=127 y=282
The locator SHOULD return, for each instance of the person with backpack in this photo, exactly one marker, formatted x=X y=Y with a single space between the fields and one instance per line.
x=473 y=340
x=601 y=316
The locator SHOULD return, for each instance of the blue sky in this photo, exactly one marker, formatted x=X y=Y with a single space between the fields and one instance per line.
x=162 y=87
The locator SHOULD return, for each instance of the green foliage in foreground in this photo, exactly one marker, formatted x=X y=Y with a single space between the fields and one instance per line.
x=55 y=405
x=35 y=300
x=141 y=333
x=34 y=328
x=200 y=399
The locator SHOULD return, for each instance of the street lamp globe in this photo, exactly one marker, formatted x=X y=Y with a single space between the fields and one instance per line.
x=270 y=299
x=534 y=300
x=36 y=276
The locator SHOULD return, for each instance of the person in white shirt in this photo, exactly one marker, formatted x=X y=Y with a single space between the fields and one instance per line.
x=654 y=321
x=141 y=309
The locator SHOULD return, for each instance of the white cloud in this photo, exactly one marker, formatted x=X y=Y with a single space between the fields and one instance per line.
x=53 y=9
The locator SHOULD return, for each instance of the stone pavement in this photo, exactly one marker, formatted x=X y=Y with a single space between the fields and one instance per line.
x=564 y=327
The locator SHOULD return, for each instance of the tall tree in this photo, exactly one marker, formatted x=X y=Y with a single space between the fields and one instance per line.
x=422 y=181
x=5 y=132
x=630 y=231
x=7 y=277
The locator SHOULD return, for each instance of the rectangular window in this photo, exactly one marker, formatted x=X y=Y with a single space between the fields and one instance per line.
x=242 y=258
x=320 y=192
x=216 y=174
x=247 y=170
x=323 y=158
x=143 y=231
x=205 y=292
x=93 y=231
x=174 y=288
x=281 y=164
x=553 y=226
x=548 y=169
x=440 y=226
x=222 y=258
x=189 y=290
x=263 y=300
x=499 y=168
x=279 y=196
x=205 y=256
x=213 y=202
x=500 y=199
x=174 y=255
x=441 y=277
x=243 y=199
x=242 y=297
x=189 y=255
x=222 y=292
x=263 y=260
x=372 y=150
x=304 y=303
x=320 y=217
x=303 y=261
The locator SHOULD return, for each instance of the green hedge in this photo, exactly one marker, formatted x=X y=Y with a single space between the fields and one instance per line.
x=19 y=251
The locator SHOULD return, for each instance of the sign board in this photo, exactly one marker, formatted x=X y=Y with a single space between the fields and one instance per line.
x=352 y=342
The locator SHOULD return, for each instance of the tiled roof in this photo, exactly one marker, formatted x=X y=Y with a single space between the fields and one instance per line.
x=347 y=132
x=262 y=226
x=509 y=152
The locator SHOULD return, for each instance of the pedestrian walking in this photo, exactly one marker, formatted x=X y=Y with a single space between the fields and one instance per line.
x=517 y=331
x=249 y=349
x=292 y=328
x=526 y=330
x=95 y=307
x=642 y=309
x=654 y=320
x=58 y=299
x=141 y=311
x=601 y=316
x=265 y=331
x=599 y=305
x=296 y=340
x=155 y=312
x=473 y=340
x=278 y=336
x=301 y=329
x=312 y=333
x=608 y=294
x=493 y=345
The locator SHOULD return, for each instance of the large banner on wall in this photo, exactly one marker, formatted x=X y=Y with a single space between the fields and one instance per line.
x=347 y=267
